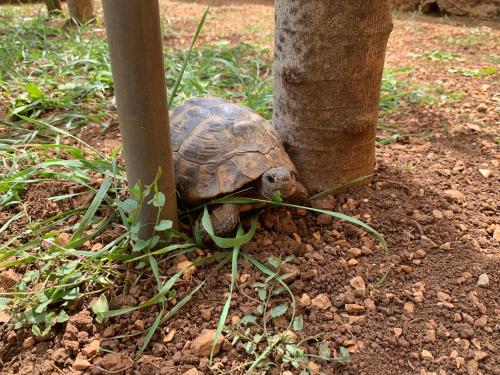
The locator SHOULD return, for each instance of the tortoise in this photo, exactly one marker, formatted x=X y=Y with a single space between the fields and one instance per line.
x=220 y=147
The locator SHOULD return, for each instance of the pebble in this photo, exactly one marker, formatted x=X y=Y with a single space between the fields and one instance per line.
x=496 y=233
x=29 y=342
x=206 y=314
x=443 y=297
x=409 y=308
x=483 y=280
x=485 y=172
x=188 y=267
x=354 y=308
x=314 y=369
x=202 y=345
x=355 y=252
x=420 y=253
x=480 y=355
x=406 y=269
x=81 y=364
x=427 y=355
x=418 y=296
x=397 y=331
x=192 y=371
x=321 y=302
x=446 y=246
x=352 y=262
x=170 y=336
x=430 y=335
x=437 y=214
x=482 y=321
x=305 y=300
x=454 y=194
x=359 y=286
x=91 y=349
x=369 y=304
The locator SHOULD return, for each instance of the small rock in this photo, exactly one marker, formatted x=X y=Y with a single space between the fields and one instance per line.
x=296 y=237
x=139 y=323
x=91 y=349
x=426 y=355
x=480 y=355
x=496 y=233
x=485 y=172
x=406 y=269
x=427 y=242
x=8 y=279
x=188 y=267
x=430 y=335
x=113 y=362
x=483 y=280
x=354 y=308
x=418 y=296
x=245 y=277
x=324 y=219
x=369 y=304
x=192 y=371
x=437 y=214
x=408 y=308
x=443 y=297
x=460 y=362
x=170 y=336
x=81 y=364
x=202 y=345
x=321 y=301
x=355 y=251
x=314 y=369
x=359 y=286
x=235 y=319
x=472 y=367
x=305 y=300
x=206 y=314
x=29 y=342
x=420 y=253
x=59 y=355
x=446 y=246
x=352 y=262
x=397 y=331
x=482 y=321
x=455 y=195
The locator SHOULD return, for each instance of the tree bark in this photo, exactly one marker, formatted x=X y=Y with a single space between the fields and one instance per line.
x=329 y=59
x=81 y=11
x=134 y=37
x=53 y=7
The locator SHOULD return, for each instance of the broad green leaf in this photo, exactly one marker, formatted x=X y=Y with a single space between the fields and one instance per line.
x=164 y=225
x=279 y=310
x=298 y=323
x=324 y=351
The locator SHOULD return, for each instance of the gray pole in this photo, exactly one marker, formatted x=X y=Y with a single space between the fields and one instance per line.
x=134 y=37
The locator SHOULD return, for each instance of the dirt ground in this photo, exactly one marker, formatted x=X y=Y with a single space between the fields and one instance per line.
x=435 y=197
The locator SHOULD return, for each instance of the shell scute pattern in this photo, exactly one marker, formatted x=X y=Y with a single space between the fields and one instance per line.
x=220 y=146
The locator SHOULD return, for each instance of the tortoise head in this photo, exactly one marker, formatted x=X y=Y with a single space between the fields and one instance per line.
x=277 y=179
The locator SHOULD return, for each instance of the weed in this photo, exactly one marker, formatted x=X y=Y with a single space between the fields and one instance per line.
x=438 y=55
x=478 y=73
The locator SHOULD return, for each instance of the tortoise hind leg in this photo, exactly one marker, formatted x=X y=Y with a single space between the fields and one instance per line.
x=225 y=219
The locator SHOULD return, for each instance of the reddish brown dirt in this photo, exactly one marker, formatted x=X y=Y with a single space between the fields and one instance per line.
x=439 y=242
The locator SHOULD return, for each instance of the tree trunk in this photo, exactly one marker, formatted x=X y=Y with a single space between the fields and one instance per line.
x=328 y=67
x=53 y=7
x=135 y=41
x=81 y=11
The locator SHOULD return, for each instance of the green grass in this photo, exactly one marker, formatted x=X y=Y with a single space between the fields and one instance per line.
x=55 y=82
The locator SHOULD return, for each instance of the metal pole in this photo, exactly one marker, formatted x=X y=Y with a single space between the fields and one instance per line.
x=134 y=37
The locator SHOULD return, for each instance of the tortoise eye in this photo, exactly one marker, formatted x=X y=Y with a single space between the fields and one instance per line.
x=270 y=179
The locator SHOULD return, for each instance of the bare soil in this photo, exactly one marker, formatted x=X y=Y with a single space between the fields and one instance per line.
x=437 y=211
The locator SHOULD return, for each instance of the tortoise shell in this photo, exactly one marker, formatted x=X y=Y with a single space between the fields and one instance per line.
x=220 y=146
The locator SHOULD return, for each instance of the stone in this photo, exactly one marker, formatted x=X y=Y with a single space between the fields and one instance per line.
x=406 y=269
x=420 y=253
x=352 y=262
x=430 y=335
x=192 y=371
x=169 y=336
x=29 y=342
x=426 y=355
x=418 y=296
x=59 y=355
x=81 y=364
x=480 y=355
x=321 y=302
x=359 y=286
x=454 y=195
x=481 y=322
x=206 y=314
x=314 y=369
x=113 y=362
x=397 y=331
x=496 y=233
x=188 y=267
x=483 y=280
x=355 y=251
x=443 y=297
x=369 y=304
x=408 y=308
x=91 y=349
x=202 y=345
x=8 y=279
x=485 y=172
x=354 y=308
x=305 y=300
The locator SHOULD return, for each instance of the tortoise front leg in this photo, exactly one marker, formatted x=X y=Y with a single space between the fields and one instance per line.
x=225 y=219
